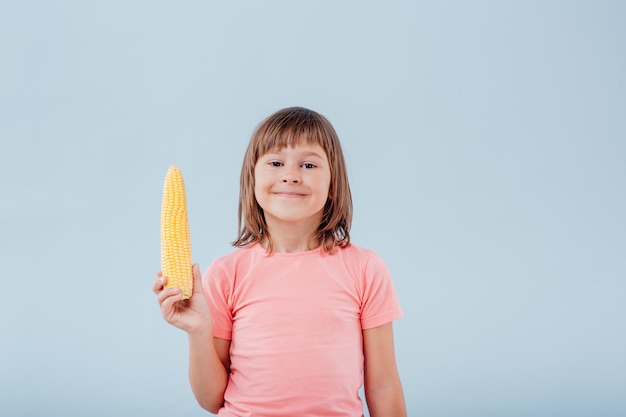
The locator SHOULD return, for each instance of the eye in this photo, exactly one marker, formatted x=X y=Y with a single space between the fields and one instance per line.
x=275 y=163
x=308 y=165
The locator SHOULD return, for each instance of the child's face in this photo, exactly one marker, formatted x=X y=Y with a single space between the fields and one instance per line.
x=292 y=184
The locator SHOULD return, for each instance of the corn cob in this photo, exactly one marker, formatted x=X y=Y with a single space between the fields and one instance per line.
x=175 y=243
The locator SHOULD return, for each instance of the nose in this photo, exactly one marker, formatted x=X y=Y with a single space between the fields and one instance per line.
x=290 y=178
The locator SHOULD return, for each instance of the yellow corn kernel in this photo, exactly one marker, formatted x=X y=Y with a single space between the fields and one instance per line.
x=175 y=243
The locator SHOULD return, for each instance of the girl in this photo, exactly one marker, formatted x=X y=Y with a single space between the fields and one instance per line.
x=298 y=319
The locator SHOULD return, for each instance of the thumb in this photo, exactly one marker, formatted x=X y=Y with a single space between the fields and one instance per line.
x=197 y=279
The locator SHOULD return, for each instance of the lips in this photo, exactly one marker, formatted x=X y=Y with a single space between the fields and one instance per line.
x=288 y=194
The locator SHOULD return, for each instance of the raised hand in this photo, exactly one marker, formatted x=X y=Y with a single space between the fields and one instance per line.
x=191 y=315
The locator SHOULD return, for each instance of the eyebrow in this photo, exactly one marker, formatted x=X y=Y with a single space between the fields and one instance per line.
x=311 y=153
x=306 y=154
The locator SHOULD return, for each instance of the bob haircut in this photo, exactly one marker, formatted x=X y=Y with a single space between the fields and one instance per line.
x=289 y=127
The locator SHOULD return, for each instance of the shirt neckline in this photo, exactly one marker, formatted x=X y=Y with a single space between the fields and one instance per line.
x=261 y=249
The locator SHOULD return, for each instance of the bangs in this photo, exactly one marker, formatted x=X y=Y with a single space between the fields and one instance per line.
x=293 y=128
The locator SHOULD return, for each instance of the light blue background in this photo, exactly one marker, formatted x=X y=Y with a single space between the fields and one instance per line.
x=486 y=150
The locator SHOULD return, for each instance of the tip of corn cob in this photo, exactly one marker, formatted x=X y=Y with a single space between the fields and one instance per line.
x=176 y=262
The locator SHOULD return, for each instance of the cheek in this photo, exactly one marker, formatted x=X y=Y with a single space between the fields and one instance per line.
x=329 y=188
x=261 y=188
x=257 y=180
x=257 y=191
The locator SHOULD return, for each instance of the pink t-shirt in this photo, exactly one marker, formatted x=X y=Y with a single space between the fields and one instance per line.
x=295 y=322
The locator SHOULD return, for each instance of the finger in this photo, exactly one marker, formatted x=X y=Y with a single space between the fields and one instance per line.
x=167 y=293
x=159 y=283
x=168 y=300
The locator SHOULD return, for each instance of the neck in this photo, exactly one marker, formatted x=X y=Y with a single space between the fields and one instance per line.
x=291 y=237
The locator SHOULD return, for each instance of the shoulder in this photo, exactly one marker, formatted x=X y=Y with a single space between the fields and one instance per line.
x=225 y=267
x=362 y=263
x=360 y=255
x=237 y=256
x=378 y=299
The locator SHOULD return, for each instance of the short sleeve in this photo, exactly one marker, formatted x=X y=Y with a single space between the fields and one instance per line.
x=379 y=303
x=217 y=289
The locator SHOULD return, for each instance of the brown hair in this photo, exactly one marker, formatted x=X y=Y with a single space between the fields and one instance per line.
x=288 y=127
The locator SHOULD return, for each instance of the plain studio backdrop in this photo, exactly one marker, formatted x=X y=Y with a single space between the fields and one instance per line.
x=485 y=142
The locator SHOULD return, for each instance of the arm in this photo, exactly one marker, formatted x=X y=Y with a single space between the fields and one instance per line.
x=208 y=370
x=383 y=389
x=209 y=361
